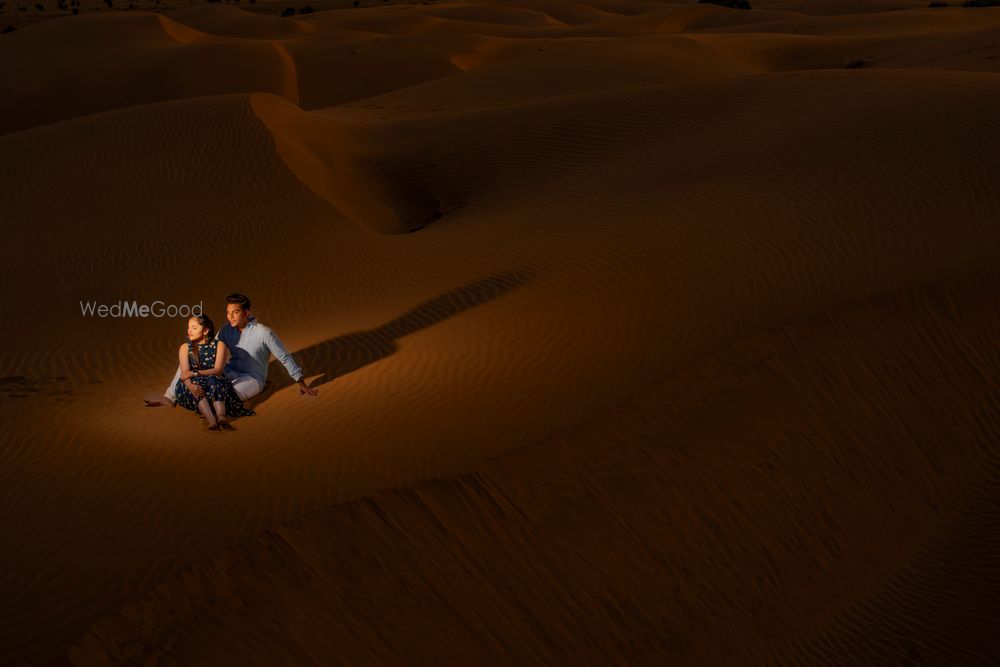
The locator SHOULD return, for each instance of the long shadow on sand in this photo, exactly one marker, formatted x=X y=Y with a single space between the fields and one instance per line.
x=343 y=354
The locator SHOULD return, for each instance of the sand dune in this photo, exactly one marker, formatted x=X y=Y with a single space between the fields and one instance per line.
x=644 y=333
x=217 y=50
x=920 y=21
x=99 y=63
x=837 y=7
x=705 y=502
x=228 y=21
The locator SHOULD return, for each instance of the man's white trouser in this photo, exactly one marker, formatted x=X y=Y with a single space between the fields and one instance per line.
x=245 y=385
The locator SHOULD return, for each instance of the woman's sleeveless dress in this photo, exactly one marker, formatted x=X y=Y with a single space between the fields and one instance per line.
x=217 y=387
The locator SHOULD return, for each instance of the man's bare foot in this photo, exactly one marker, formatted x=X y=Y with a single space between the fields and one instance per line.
x=157 y=402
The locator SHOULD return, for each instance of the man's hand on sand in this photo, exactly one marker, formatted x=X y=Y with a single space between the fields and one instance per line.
x=306 y=389
x=157 y=402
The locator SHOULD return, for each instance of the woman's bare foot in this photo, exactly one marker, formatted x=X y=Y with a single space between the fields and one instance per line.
x=220 y=414
x=206 y=411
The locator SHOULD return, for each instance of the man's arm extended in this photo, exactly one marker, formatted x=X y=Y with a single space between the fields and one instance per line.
x=169 y=395
x=277 y=348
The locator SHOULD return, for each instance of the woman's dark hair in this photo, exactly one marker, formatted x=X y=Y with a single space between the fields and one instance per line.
x=193 y=349
x=241 y=299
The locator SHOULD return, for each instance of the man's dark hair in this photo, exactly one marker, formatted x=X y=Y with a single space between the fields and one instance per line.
x=241 y=299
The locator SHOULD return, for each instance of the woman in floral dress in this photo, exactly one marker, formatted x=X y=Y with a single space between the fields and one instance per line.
x=203 y=358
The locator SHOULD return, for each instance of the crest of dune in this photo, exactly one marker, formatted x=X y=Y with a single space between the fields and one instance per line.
x=321 y=154
x=466 y=60
x=179 y=32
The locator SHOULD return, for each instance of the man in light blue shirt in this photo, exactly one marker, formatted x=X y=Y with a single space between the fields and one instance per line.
x=251 y=345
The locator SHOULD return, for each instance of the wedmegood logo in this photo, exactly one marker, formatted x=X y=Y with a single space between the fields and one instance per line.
x=135 y=309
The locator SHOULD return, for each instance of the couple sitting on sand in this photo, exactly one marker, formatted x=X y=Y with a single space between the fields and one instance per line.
x=210 y=381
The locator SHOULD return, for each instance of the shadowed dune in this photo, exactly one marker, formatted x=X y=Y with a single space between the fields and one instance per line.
x=645 y=333
x=321 y=158
x=98 y=63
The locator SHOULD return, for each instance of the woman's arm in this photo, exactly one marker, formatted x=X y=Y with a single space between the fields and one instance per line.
x=186 y=372
x=221 y=352
x=185 y=362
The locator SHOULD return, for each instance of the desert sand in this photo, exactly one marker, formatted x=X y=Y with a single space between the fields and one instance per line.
x=644 y=333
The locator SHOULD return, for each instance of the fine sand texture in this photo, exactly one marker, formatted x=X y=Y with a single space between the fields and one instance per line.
x=645 y=333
